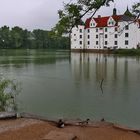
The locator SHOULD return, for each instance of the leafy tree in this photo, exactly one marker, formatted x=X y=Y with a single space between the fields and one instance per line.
x=41 y=39
x=8 y=92
x=73 y=12
x=16 y=37
x=4 y=37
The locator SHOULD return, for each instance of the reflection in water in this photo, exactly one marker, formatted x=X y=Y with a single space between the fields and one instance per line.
x=57 y=84
x=23 y=58
x=126 y=70
x=101 y=66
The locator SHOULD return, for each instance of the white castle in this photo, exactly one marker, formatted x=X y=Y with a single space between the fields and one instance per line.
x=104 y=33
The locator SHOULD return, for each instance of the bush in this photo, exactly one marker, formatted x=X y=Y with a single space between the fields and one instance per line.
x=8 y=92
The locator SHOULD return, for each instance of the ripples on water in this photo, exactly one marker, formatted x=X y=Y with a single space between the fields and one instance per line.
x=67 y=85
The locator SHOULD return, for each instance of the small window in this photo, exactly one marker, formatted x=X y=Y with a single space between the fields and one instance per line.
x=105 y=35
x=115 y=43
x=96 y=36
x=74 y=34
x=96 y=42
x=88 y=42
x=126 y=27
x=88 y=36
x=126 y=42
x=96 y=29
x=105 y=29
x=116 y=36
x=80 y=42
x=88 y=31
x=80 y=30
x=126 y=35
x=80 y=36
x=90 y=24
x=105 y=42
x=116 y=29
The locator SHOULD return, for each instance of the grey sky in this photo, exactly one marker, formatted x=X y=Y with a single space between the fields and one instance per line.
x=33 y=14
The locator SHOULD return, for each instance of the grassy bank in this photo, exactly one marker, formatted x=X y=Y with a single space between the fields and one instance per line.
x=129 y=52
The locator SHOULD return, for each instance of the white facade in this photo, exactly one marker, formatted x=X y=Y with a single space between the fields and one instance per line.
x=106 y=33
x=78 y=37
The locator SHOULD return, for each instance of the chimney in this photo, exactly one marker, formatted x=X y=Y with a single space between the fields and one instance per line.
x=99 y=16
x=114 y=11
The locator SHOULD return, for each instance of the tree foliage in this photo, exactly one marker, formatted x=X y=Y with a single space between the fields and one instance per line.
x=8 y=92
x=73 y=12
x=19 y=38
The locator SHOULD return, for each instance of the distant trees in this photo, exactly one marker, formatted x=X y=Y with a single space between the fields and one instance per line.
x=18 y=38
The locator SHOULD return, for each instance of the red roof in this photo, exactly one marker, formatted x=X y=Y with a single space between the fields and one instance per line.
x=102 y=21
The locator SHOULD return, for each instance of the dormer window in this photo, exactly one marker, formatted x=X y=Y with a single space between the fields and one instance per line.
x=92 y=23
x=111 y=22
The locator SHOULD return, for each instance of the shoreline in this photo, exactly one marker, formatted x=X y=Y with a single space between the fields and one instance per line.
x=72 y=122
x=28 y=129
x=119 y=52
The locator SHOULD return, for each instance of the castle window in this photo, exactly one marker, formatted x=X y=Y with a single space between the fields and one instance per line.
x=80 y=30
x=80 y=42
x=116 y=36
x=88 y=30
x=105 y=35
x=105 y=42
x=116 y=29
x=126 y=27
x=91 y=24
x=126 y=35
x=80 y=36
x=105 y=29
x=96 y=29
x=126 y=42
x=88 y=36
x=74 y=34
x=96 y=36
x=88 y=42
x=115 y=43
x=96 y=42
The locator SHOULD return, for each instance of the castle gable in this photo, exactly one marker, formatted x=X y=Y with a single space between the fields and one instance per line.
x=111 y=22
x=93 y=23
x=103 y=21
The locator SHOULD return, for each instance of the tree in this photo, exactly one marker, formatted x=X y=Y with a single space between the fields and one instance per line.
x=8 y=92
x=4 y=37
x=16 y=37
x=73 y=12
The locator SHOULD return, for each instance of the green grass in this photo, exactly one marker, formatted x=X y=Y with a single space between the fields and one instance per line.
x=129 y=52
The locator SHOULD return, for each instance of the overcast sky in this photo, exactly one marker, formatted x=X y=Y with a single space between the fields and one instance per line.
x=42 y=14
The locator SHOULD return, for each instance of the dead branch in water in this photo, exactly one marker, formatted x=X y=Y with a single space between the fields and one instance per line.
x=101 y=85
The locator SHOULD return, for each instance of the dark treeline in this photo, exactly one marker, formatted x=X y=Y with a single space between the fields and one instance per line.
x=18 y=38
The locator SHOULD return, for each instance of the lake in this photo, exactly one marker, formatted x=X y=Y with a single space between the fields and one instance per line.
x=61 y=84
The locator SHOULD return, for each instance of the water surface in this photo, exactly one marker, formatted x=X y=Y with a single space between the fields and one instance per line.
x=68 y=85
